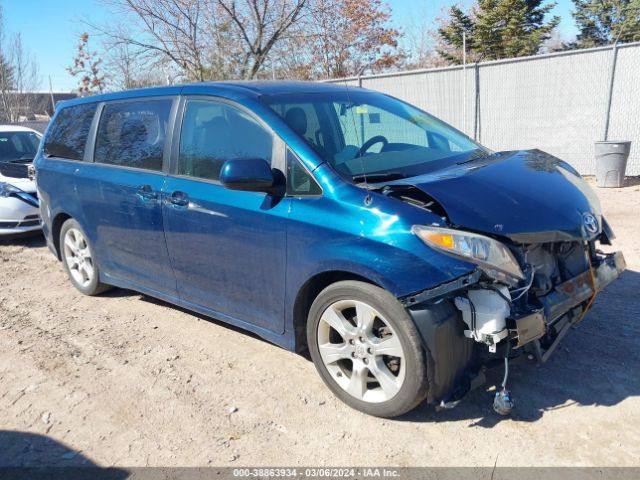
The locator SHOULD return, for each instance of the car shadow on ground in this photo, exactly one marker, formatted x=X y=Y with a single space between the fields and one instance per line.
x=631 y=182
x=596 y=364
x=29 y=240
x=25 y=455
x=628 y=182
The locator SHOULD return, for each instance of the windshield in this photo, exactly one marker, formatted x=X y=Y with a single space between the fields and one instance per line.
x=367 y=134
x=18 y=146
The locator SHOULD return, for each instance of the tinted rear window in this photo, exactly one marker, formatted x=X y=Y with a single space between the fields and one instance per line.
x=68 y=134
x=132 y=134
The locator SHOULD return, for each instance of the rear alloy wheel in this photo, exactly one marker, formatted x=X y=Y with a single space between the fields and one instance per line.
x=79 y=260
x=366 y=349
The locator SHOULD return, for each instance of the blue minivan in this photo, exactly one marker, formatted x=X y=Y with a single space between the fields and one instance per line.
x=403 y=256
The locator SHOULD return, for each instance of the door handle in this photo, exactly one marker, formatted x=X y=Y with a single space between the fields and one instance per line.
x=179 y=198
x=146 y=192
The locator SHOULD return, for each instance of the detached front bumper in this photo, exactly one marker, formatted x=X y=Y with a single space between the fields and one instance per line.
x=565 y=306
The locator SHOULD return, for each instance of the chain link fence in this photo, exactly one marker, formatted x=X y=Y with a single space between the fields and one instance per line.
x=556 y=102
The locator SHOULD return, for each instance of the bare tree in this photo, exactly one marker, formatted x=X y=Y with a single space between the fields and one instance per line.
x=226 y=53
x=170 y=29
x=128 y=67
x=292 y=58
x=26 y=78
x=420 y=38
x=247 y=39
x=339 y=38
x=260 y=24
x=87 y=66
x=19 y=77
x=204 y=39
x=6 y=74
x=352 y=37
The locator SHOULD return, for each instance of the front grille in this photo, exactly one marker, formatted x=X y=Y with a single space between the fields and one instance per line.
x=28 y=221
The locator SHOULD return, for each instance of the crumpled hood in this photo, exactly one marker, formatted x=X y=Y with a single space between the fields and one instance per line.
x=528 y=196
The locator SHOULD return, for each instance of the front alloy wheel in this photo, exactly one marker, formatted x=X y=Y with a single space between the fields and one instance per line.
x=366 y=349
x=361 y=351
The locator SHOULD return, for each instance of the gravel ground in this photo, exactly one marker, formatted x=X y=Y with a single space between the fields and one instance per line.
x=123 y=379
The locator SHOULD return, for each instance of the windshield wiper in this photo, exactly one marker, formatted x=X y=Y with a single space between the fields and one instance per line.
x=476 y=155
x=378 y=177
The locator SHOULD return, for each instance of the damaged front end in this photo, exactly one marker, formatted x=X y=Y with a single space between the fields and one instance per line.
x=490 y=316
x=532 y=227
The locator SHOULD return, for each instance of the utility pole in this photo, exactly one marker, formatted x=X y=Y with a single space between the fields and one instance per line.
x=53 y=101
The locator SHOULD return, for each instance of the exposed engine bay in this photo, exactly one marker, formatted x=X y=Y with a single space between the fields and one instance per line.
x=501 y=323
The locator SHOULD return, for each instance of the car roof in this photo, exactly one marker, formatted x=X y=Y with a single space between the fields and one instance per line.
x=16 y=128
x=247 y=89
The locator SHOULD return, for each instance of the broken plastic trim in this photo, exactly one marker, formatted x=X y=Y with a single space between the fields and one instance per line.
x=27 y=198
x=441 y=290
x=579 y=289
x=412 y=195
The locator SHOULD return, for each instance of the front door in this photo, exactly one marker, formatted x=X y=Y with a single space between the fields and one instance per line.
x=227 y=247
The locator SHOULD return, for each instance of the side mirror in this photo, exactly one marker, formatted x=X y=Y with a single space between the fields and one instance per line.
x=247 y=174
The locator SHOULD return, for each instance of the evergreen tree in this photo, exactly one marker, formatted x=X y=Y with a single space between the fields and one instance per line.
x=602 y=22
x=451 y=35
x=497 y=29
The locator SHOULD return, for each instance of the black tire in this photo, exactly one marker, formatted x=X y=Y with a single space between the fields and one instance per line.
x=413 y=389
x=92 y=286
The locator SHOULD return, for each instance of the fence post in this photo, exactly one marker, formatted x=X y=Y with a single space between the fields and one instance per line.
x=476 y=108
x=464 y=82
x=612 y=73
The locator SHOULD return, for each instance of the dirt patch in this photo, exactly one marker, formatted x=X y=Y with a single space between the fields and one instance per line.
x=122 y=379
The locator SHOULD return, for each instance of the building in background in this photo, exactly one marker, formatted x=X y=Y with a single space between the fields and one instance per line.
x=30 y=106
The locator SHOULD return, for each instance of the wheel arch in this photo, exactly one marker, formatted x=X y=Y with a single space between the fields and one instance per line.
x=56 y=226
x=308 y=293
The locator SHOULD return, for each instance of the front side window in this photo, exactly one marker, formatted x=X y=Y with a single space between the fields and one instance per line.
x=299 y=181
x=213 y=133
x=363 y=133
x=132 y=134
x=67 y=136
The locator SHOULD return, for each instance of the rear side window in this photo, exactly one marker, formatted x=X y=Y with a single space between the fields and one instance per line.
x=215 y=132
x=132 y=134
x=67 y=136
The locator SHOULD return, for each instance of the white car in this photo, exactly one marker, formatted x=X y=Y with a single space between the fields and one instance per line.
x=19 y=210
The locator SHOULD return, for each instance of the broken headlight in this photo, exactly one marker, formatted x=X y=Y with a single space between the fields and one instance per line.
x=491 y=256
x=6 y=189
